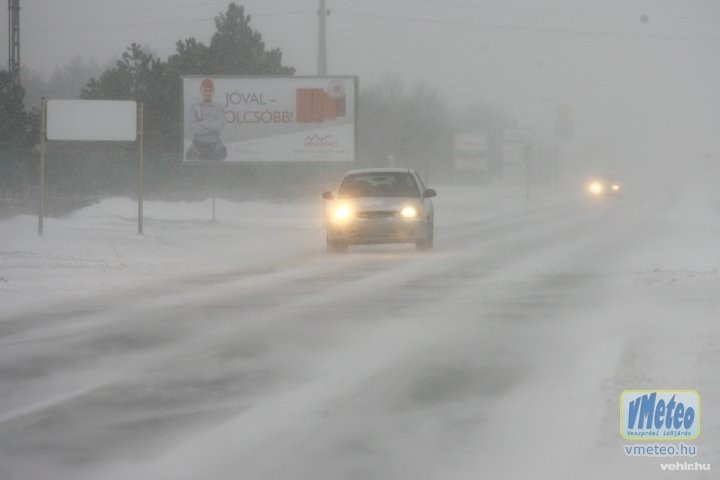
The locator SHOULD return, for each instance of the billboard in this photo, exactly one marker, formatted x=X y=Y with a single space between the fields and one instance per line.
x=269 y=119
x=92 y=120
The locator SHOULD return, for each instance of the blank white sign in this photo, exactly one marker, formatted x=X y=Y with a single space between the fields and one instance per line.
x=92 y=120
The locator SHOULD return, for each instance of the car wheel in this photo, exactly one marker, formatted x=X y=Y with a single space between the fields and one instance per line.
x=336 y=247
x=428 y=242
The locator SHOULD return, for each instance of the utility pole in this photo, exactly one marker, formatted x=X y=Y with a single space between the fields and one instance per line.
x=322 y=41
x=14 y=41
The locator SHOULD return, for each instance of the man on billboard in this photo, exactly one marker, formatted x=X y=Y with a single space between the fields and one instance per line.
x=205 y=120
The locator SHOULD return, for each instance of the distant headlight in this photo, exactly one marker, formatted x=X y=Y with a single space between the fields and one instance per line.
x=596 y=188
x=342 y=212
x=615 y=187
x=409 y=212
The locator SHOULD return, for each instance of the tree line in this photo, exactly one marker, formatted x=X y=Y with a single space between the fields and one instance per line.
x=396 y=125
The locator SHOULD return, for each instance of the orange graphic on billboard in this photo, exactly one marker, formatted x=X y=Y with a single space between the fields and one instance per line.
x=314 y=105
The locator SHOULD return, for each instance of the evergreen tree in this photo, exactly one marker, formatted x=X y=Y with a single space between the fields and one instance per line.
x=16 y=138
x=13 y=119
x=138 y=75
x=235 y=49
x=132 y=77
x=238 y=49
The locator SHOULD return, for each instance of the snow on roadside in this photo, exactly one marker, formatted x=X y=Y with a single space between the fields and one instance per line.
x=667 y=319
x=97 y=249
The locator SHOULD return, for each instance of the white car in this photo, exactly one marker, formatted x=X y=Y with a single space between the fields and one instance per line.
x=380 y=205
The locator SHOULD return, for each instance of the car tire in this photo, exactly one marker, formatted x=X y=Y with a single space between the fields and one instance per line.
x=428 y=242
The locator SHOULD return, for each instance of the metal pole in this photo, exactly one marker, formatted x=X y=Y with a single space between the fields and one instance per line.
x=14 y=41
x=213 y=205
x=527 y=172
x=322 y=45
x=41 y=192
x=141 y=186
x=214 y=180
x=557 y=175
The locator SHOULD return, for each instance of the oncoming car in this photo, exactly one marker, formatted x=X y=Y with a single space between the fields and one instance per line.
x=383 y=205
x=603 y=187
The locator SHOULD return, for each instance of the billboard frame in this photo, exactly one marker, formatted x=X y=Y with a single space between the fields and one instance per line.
x=73 y=137
x=353 y=78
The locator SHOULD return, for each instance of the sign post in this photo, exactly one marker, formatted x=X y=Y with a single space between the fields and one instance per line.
x=140 y=166
x=90 y=120
x=41 y=189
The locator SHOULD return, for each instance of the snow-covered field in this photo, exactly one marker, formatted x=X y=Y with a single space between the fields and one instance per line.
x=240 y=349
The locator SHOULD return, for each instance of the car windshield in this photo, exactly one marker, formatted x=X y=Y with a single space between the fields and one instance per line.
x=379 y=184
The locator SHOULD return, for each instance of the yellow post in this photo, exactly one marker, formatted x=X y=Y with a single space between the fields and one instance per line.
x=140 y=167
x=41 y=192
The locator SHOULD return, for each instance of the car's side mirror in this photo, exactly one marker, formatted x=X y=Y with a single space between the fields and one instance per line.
x=429 y=193
x=327 y=195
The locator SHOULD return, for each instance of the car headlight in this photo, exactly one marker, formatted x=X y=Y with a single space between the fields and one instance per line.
x=615 y=188
x=596 y=188
x=409 y=212
x=342 y=212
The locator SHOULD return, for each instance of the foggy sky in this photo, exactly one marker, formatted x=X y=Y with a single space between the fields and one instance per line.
x=640 y=76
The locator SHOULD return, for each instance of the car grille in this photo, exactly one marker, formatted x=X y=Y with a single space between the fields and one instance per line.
x=367 y=214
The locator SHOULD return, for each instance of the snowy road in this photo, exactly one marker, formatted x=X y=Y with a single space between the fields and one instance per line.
x=501 y=353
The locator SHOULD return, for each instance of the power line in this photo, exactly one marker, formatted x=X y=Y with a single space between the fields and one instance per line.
x=222 y=5
x=165 y=22
x=406 y=19
x=544 y=11
x=105 y=15
x=561 y=31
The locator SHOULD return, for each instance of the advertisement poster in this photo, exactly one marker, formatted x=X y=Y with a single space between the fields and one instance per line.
x=269 y=119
